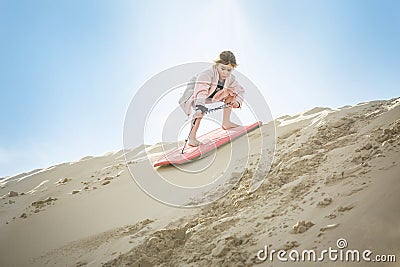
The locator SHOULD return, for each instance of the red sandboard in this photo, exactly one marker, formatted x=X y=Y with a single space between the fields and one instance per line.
x=212 y=140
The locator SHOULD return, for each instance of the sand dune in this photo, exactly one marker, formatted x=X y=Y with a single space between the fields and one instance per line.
x=335 y=175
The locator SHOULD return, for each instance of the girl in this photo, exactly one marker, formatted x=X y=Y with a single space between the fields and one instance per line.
x=216 y=84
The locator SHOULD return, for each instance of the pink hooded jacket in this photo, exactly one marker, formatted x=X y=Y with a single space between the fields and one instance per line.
x=205 y=85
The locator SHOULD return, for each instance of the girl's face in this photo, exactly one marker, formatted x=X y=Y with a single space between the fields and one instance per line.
x=224 y=70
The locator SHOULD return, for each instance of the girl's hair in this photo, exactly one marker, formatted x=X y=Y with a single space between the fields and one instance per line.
x=227 y=58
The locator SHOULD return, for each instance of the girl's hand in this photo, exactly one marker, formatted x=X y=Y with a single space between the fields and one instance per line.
x=235 y=105
x=198 y=114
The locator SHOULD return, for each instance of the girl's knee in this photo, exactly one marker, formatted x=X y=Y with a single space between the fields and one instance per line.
x=229 y=99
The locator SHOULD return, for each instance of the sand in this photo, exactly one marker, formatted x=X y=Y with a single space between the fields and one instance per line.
x=335 y=175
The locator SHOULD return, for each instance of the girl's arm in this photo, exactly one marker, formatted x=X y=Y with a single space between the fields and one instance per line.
x=201 y=89
x=239 y=90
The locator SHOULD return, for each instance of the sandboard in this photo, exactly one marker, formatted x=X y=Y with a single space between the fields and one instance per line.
x=211 y=141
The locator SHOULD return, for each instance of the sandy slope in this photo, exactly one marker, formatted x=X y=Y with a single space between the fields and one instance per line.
x=335 y=175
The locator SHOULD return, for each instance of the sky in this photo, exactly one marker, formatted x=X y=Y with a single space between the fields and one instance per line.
x=69 y=69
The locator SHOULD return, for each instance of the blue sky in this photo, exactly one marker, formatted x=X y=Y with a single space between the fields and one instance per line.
x=69 y=69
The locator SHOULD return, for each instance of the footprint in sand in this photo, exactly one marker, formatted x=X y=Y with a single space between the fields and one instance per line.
x=328 y=227
x=41 y=204
x=63 y=181
x=302 y=226
x=289 y=245
x=12 y=194
x=345 y=208
x=339 y=211
x=325 y=202
x=105 y=182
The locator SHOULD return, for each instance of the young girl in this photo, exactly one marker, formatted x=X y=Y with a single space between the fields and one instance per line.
x=216 y=84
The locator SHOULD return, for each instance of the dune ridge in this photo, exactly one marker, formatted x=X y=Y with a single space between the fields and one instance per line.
x=335 y=175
